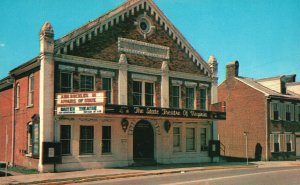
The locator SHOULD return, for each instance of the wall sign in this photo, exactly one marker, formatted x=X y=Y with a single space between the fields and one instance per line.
x=163 y=112
x=80 y=103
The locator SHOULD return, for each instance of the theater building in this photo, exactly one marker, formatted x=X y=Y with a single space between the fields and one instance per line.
x=123 y=88
x=262 y=117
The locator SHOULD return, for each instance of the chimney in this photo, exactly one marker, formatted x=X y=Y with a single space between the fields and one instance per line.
x=232 y=69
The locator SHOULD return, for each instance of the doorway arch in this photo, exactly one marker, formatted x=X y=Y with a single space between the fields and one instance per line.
x=143 y=141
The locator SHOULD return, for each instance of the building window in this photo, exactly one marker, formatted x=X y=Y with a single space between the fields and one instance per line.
x=190 y=98
x=274 y=111
x=65 y=139
x=288 y=140
x=289 y=112
x=175 y=97
x=30 y=90
x=176 y=139
x=275 y=142
x=17 y=96
x=203 y=137
x=29 y=138
x=203 y=99
x=143 y=93
x=86 y=83
x=86 y=140
x=149 y=94
x=297 y=113
x=137 y=93
x=106 y=139
x=106 y=85
x=190 y=139
x=66 y=82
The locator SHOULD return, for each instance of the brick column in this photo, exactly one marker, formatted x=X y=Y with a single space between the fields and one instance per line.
x=46 y=106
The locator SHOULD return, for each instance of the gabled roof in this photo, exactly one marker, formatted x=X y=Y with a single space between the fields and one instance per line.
x=113 y=17
x=268 y=92
x=25 y=67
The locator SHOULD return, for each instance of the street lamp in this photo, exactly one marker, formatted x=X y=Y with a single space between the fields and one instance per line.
x=246 y=138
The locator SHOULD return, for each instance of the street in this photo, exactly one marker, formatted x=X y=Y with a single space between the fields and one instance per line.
x=253 y=176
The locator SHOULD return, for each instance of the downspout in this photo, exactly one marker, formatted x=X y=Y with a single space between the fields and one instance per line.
x=267 y=113
x=13 y=123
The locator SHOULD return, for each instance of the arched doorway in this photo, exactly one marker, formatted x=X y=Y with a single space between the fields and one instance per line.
x=143 y=141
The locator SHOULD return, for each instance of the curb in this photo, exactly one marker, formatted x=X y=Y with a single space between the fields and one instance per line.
x=128 y=175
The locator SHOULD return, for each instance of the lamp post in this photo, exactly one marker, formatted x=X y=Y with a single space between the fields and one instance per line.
x=246 y=138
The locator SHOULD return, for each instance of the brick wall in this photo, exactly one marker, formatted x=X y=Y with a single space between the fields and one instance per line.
x=104 y=46
x=23 y=117
x=245 y=111
x=6 y=97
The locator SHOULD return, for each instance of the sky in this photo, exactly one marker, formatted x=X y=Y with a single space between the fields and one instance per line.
x=263 y=35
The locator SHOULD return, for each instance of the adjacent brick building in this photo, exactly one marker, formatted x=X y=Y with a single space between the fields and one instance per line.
x=124 y=88
x=265 y=112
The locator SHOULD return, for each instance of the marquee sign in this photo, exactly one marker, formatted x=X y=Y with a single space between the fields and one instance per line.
x=80 y=103
x=163 y=112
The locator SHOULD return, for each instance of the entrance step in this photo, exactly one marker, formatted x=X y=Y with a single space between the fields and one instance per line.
x=144 y=162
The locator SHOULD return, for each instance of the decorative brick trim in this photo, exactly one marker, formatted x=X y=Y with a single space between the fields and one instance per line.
x=143 y=48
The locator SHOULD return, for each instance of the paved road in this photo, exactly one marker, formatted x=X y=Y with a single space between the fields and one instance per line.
x=253 y=176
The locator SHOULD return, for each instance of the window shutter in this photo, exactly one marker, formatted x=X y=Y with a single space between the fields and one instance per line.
x=293 y=142
x=282 y=144
x=292 y=109
x=272 y=142
x=297 y=113
x=272 y=111
x=282 y=111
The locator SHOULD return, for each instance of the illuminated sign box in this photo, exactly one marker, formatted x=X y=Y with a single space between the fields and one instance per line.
x=80 y=103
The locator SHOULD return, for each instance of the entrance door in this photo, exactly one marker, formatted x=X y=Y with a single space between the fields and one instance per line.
x=298 y=147
x=143 y=141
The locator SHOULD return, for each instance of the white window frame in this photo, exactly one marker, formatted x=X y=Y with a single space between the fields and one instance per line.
x=143 y=93
x=69 y=72
x=29 y=139
x=30 y=97
x=111 y=90
x=201 y=88
x=186 y=139
x=179 y=98
x=177 y=148
x=207 y=138
x=17 y=96
x=191 y=87
x=84 y=74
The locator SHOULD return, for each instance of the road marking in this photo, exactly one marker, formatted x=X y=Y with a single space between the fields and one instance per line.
x=227 y=177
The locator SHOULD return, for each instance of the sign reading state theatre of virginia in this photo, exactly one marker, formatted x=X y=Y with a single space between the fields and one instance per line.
x=163 y=112
x=80 y=103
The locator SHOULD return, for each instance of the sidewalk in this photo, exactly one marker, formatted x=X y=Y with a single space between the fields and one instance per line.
x=112 y=173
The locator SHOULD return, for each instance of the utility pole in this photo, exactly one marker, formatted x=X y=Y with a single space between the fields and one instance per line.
x=6 y=143
x=246 y=138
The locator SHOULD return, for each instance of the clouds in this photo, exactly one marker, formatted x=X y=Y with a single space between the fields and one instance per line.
x=2 y=45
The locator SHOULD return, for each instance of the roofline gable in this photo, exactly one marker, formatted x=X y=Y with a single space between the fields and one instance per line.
x=113 y=17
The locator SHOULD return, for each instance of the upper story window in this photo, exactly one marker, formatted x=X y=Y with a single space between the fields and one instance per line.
x=297 y=113
x=137 y=93
x=289 y=112
x=143 y=93
x=66 y=81
x=175 y=97
x=274 y=111
x=17 y=101
x=203 y=99
x=107 y=86
x=87 y=83
x=149 y=94
x=190 y=98
x=30 y=90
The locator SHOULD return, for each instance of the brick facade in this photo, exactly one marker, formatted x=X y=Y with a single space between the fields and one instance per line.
x=245 y=112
